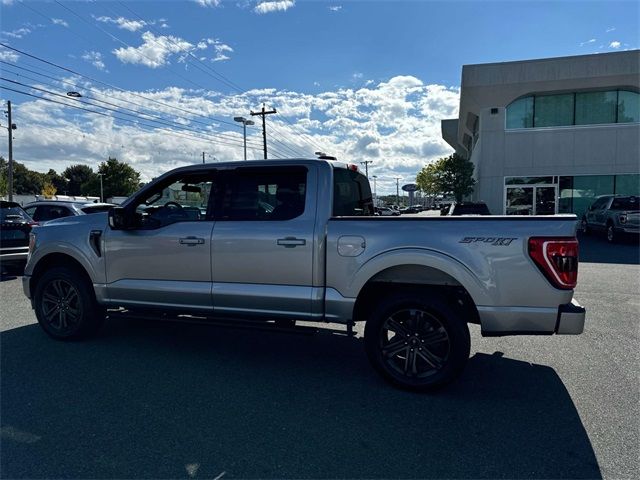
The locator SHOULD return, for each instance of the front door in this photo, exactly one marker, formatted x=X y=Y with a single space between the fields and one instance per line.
x=263 y=243
x=165 y=261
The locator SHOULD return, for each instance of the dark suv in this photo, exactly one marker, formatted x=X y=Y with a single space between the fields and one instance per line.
x=468 y=208
x=614 y=215
x=15 y=226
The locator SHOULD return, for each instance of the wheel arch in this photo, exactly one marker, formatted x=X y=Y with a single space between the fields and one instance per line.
x=53 y=260
x=422 y=278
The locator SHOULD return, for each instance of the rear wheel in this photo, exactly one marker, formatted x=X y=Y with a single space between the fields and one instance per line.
x=417 y=342
x=65 y=305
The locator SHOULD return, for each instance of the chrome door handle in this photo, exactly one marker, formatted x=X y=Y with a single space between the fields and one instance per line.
x=291 y=242
x=191 y=241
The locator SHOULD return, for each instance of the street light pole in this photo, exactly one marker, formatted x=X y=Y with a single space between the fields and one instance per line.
x=101 y=190
x=244 y=122
x=375 y=193
x=398 y=190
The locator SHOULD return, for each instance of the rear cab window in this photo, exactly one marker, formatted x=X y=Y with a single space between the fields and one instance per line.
x=625 y=203
x=351 y=194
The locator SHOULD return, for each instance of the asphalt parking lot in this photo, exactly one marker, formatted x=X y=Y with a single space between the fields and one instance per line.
x=155 y=400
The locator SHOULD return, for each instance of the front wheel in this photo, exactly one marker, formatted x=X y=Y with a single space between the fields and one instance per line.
x=417 y=342
x=65 y=305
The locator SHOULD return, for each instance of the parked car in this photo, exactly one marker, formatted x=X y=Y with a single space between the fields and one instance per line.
x=468 y=208
x=15 y=226
x=45 y=210
x=411 y=209
x=388 y=212
x=318 y=255
x=615 y=215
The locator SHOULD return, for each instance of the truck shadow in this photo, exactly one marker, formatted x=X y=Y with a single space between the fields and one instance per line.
x=150 y=400
x=594 y=248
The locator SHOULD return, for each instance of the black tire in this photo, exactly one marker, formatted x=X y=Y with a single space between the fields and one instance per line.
x=435 y=347
x=66 y=306
x=584 y=227
x=610 y=232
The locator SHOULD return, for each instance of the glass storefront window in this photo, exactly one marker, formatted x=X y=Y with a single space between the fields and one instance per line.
x=528 y=180
x=520 y=113
x=596 y=107
x=519 y=201
x=628 y=185
x=565 y=202
x=628 y=106
x=586 y=188
x=553 y=110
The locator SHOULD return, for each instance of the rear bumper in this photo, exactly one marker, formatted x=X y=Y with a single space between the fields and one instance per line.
x=566 y=319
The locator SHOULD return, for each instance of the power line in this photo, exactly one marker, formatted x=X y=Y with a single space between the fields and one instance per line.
x=120 y=107
x=135 y=122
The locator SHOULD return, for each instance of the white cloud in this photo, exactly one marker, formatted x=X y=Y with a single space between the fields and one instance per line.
x=7 y=2
x=154 y=51
x=8 y=56
x=17 y=33
x=124 y=23
x=615 y=44
x=610 y=29
x=591 y=40
x=59 y=21
x=208 y=3
x=274 y=6
x=335 y=8
x=395 y=123
x=95 y=58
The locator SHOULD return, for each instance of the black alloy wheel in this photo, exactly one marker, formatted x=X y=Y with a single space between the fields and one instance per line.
x=61 y=306
x=65 y=304
x=417 y=342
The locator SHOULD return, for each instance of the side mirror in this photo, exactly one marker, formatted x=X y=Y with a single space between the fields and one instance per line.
x=119 y=219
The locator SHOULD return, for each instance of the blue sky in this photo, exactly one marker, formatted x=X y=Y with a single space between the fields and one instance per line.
x=363 y=80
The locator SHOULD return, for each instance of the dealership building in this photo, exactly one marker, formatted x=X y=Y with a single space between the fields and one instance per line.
x=548 y=136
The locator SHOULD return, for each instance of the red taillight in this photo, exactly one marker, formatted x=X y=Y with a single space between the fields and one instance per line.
x=353 y=167
x=557 y=259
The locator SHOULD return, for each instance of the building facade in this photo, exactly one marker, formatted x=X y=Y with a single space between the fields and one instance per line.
x=548 y=136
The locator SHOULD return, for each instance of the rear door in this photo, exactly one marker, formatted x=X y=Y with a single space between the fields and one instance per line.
x=263 y=243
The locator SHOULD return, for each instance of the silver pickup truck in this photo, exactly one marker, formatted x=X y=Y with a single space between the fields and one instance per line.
x=296 y=240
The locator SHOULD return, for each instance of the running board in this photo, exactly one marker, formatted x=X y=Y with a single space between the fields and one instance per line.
x=231 y=323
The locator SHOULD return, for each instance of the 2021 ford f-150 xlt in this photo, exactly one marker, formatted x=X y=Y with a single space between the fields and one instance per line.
x=296 y=240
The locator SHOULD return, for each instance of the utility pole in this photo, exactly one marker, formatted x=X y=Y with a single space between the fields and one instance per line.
x=203 y=157
x=10 y=128
x=375 y=193
x=263 y=113
x=398 y=190
x=101 y=189
x=366 y=166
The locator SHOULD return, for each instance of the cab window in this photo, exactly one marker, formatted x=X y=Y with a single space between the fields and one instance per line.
x=265 y=194
x=186 y=198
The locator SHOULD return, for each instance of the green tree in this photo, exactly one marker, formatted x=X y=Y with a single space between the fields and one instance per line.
x=4 y=187
x=26 y=181
x=76 y=176
x=452 y=175
x=56 y=180
x=118 y=178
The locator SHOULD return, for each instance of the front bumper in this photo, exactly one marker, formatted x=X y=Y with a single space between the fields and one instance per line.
x=567 y=319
